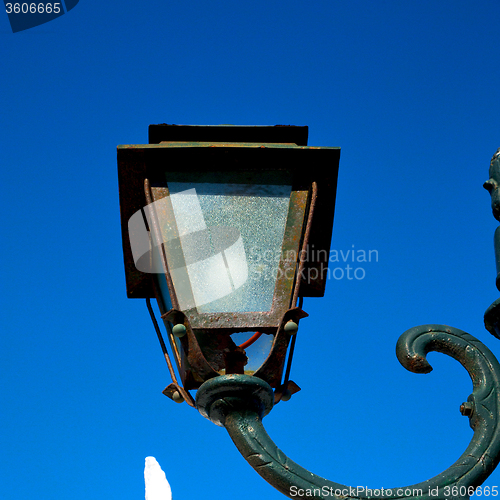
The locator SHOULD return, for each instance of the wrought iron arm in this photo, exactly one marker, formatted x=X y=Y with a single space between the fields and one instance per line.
x=239 y=402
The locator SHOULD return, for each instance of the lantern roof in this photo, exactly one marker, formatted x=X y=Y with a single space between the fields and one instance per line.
x=229 y=133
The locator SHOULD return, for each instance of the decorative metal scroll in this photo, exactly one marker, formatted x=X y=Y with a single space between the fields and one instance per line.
x=239 y=402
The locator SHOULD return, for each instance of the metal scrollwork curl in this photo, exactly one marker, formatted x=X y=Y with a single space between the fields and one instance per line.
x=483 y=453
x=219 y=400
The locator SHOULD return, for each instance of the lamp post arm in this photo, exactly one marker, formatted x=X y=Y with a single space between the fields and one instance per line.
x=239 y=402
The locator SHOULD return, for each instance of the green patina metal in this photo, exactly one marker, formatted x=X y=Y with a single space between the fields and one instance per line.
x=239 y=403
x=492 y=314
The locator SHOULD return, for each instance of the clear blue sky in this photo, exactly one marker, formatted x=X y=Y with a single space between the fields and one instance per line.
x=408 y=90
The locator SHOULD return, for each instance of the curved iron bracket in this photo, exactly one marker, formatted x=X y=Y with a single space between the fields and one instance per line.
x=239 y=402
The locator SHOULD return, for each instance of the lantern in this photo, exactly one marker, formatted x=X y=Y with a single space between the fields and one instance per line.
x=227 y=227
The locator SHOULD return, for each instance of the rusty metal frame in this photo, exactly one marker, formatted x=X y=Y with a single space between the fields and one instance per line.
x=174 y=387
x=272 y=369
x=192 y=355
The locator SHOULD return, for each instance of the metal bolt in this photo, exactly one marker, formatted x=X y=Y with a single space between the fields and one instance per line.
x=291 y=327
x=286 y=395
x=467 y=408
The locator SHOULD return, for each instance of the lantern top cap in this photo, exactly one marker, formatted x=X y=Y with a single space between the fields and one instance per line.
x=277 y=134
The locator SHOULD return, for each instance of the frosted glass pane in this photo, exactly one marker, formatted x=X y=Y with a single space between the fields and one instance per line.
x=209 y=279
x=187 y=212
x=236 y=263
x=230 y=237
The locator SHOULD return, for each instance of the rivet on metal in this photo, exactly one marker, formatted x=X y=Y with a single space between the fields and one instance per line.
x=179 y=330
x=176 y=396
x=286 y=395
x=291 y=327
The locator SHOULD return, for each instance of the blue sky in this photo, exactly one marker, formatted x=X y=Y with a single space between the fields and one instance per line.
x=408 y=90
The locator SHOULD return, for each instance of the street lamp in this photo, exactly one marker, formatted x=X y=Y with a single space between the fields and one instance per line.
x=228 y=227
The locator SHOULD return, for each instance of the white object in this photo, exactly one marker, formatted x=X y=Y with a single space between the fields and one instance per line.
x=157 y=487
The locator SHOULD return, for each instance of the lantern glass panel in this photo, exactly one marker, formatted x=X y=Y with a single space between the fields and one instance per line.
x=223 y=240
